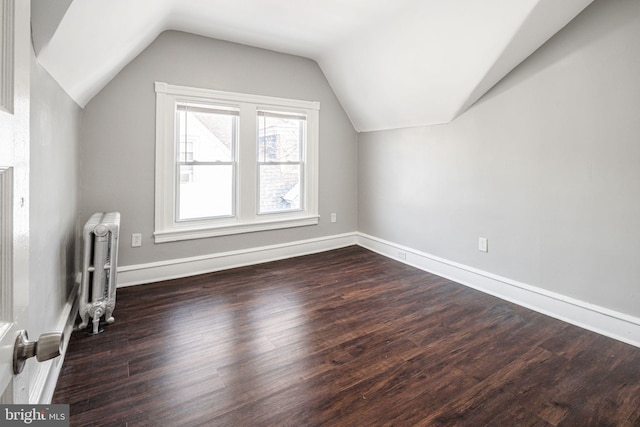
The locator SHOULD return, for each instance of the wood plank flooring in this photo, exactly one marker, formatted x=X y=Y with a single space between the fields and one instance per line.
x=342 y=338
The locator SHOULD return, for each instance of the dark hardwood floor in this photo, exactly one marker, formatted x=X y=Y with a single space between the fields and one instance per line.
x=342 y=338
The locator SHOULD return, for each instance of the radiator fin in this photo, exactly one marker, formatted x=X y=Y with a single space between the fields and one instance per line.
x=99 y=269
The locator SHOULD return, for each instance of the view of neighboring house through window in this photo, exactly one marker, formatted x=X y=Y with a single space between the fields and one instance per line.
x=206 y=137
x=229 y=163
x=280 y=144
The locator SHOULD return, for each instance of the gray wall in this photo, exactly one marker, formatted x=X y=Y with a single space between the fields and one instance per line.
x=118 y=139
x=546 y=166
x=55 y=136
x=45 y=18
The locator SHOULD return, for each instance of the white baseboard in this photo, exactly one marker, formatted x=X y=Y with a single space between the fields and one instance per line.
x=595 y=318
x=176 y=268
x=598 y=319
x=44 y=383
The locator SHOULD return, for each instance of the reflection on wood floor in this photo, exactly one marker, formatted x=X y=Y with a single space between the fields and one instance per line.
x=341 y=338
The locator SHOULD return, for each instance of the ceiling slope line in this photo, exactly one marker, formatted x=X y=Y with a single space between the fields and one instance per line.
x=92 y=44
x=398 y=63
x=46 y=16
x=524 y=43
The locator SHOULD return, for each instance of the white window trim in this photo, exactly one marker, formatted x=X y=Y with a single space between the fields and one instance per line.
x=247 y=220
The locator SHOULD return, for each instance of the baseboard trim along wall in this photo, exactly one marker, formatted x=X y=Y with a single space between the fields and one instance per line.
x=597 y=319
x=176 y=268
x=46 y=377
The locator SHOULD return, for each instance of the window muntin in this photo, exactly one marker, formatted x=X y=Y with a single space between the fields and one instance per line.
x=178 y=166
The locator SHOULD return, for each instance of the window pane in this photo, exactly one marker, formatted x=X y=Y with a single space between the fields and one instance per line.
x=279 y=188
x=206 y=135
x=205 y=191
x=280 y=137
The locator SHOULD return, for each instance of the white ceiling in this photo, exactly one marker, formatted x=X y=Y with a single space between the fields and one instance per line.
x=392 y=63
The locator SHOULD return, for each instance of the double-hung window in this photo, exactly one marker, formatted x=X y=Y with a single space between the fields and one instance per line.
x=206 y=139
x=281 y=143
x=230 y=163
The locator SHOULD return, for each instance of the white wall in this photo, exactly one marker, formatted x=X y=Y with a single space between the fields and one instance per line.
x=118 y=140
x=55 y=128
x=546 y=166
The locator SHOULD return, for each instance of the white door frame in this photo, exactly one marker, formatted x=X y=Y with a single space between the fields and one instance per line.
x=15 y=71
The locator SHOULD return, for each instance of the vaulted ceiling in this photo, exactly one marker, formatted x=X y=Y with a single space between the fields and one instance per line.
x=391 y=63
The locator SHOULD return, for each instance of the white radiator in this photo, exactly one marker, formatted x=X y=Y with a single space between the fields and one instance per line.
x=99 y=269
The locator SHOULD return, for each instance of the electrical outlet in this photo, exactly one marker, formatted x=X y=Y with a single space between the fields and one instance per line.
x=483 y=244
x=136 y=240
x=334 y=217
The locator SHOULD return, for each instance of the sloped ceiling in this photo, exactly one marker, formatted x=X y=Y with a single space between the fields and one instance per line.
x=392 y=63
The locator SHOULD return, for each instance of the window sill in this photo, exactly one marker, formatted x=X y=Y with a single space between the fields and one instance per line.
x=190 y=232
